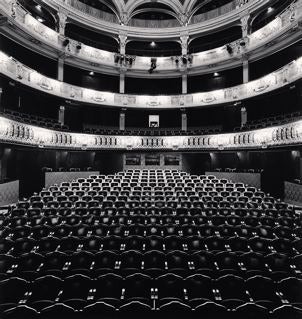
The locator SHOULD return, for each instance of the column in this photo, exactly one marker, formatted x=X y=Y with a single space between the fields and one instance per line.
x=123 y=42
x=122 y=81
x=122 y=123
x=184 y=86
x=184 y=120
x=184 y=41
x=243 y=116
x=62 y=19
x=60 y=73
x=1 y=91
x=245 y=24
x=246 y=69
x=245 y=28
x=61 y=117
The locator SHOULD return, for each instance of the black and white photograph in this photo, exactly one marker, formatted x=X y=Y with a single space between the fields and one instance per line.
x=150 y=159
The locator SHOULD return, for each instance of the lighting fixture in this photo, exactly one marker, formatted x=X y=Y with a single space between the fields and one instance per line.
x=270 y=9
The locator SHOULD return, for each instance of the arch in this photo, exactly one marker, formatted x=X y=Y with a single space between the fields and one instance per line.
x=171 y=13
x=196 y=8
x=189 y=5
x=173 y=4
x=116 y=8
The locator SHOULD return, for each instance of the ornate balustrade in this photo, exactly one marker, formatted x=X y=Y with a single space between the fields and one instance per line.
x=273 y=81
x=158 y=24
x=28 y=135
x=141 y=23
x=218 y=18
x=221 y=55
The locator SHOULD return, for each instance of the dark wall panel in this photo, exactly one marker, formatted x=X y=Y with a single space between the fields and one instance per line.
x=152 y=86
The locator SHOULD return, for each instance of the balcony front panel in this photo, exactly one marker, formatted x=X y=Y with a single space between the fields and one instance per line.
x=13 y=132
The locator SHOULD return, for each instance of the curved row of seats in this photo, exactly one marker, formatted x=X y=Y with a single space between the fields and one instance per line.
x=141 y=215
x=80 y=290
x=136 y=242
x=137 y=295
x=95 y=217
x=154 y=262
x=95 y=243
x=163 y=230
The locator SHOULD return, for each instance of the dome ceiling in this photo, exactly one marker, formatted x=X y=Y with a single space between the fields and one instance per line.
x=181 y=10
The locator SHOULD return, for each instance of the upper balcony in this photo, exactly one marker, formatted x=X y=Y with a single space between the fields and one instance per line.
x=17 y=71
x=279 y=33
x=122 y=17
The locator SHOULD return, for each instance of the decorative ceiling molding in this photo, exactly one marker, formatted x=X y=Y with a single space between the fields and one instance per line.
x=132 y=5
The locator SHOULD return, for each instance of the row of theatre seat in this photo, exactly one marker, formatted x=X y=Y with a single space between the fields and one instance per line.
x=34 y=120
x=153 y=263
x=111 y=291
x=144 y=243
x=270 y=121
x=154 y=131
x=53 y=124
x=66 y=169
x=239 y=170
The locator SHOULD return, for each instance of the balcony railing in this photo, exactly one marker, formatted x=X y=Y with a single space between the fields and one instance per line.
x=169 y=23
x=28 y=135
x=221 y=55
x=273 y=81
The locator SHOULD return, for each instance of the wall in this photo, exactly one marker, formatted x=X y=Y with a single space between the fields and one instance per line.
x=9 y=193
x=293 y=193
x=162 y=164
x=52 y=178
x=251 y=179
x=25 y=164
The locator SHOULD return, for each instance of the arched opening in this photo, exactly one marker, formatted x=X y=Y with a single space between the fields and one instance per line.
x=40 y=13
x=102 y=5
x=269 y=14
x=94 y=39
x=153 y=48
x=215 y=40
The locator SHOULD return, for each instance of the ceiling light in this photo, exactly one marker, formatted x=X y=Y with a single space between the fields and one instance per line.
x=40 y=19
x=216 y=74
x=270 y=9
x=153 y=44
x=91 y=73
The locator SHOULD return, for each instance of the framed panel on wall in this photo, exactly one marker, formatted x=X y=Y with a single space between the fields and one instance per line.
x=153 y=120
x=172 y=160
x=133 y=159
x=152 y=159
